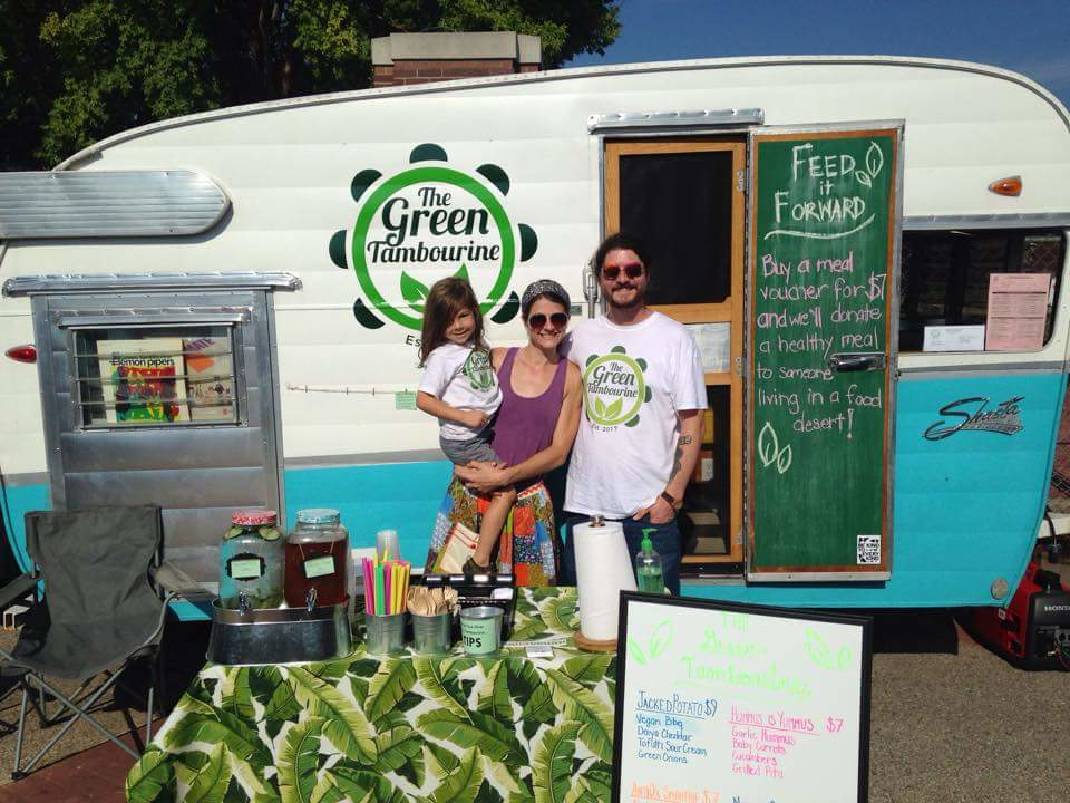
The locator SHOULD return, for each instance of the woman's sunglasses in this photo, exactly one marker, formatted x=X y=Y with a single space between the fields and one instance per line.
x=633 y=270
x=558 y=319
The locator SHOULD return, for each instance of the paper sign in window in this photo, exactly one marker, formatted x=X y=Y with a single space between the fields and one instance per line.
x=1017 y=311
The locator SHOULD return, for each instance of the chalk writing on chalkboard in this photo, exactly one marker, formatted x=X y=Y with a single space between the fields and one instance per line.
x=821 y=276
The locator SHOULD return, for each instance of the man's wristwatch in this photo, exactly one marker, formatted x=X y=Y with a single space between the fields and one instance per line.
x=668 y=497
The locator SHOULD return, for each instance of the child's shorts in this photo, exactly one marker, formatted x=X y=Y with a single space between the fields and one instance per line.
x=461 y=453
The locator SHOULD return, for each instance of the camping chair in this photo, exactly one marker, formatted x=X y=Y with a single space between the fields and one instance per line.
x=103 y=611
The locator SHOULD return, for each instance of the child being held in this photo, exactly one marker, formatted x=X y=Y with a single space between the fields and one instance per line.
x=460 y=388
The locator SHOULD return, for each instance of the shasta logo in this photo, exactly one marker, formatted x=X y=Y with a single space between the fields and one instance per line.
x=423 y=224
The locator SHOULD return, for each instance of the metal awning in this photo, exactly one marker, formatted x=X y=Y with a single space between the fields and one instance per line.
x=94 y=203
x=83 y=283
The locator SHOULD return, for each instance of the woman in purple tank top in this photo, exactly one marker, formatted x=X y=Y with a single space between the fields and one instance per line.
x=534 y=430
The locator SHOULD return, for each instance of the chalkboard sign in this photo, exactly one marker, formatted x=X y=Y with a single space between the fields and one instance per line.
x=725 y=703
x=824 y=224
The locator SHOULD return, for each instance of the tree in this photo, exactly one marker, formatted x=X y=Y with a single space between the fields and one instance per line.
x=73 y=72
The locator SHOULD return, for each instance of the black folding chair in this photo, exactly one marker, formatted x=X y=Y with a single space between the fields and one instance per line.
x=103 y=612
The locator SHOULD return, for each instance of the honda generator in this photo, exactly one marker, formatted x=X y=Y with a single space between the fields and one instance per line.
x=1033 y=632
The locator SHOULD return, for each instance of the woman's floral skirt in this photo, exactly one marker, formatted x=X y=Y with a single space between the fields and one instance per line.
x=526 y=545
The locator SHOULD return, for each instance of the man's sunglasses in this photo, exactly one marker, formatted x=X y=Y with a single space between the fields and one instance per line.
x=632 y=270
x=538 y=320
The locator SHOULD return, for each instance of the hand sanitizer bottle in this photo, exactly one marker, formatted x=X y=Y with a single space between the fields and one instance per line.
x=648 y=566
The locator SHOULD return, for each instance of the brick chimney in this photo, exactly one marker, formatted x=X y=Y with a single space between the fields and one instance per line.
x=422 y=58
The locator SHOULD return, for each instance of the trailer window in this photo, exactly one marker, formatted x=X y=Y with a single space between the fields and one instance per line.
x=155 y=376
x=946 y=276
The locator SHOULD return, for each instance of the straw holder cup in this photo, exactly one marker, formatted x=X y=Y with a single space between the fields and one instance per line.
x=385 y=634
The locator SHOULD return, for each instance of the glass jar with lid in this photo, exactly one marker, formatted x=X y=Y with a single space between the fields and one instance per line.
x=317 y=560
x=251 y=561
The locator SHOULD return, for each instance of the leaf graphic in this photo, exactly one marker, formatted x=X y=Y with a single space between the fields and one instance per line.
x=150 y=777
x=783 y=459
x=365 y=317
x=413 y=291
x=237 y=694
x=433 y=675
x=362 y=786
x=270 y=689
x=346 y=726
x=400 y=746
x=462 y=272
x=636 y=652
x=539 y=707
x=863 y=178
x=661 y=638
x=558 y=613
x=590 y=359
x=441 y=760
x=239 y=738
x=210 y=783
x=388 y=686
x=618 y=350
x=874 y=159
x=336 y=248
x=768 y=445
x=587 y=668
x=599 y=407
x=494 y=698
x=508 y=310
x=494 y=738
x=299 y=760
x=582 y=705
x=613 y=411
x=817 y=649
x=551 y=763
x=648 y=394
x=631 y=422
x=462 y=785
x=641 y=363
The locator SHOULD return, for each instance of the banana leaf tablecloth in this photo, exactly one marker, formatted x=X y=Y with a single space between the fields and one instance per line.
x=406 y=728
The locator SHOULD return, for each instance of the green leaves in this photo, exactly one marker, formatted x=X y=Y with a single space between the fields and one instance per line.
x=495 y=739
x=461 y=785
x=388 y=686
x=580 y=704
x=552 y=763
x=150 y=779
x=299 y=761
x=346 y=725
x=209 y=783
x=413 y=291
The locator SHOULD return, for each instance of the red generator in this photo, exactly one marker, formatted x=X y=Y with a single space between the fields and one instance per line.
x=1033 y=632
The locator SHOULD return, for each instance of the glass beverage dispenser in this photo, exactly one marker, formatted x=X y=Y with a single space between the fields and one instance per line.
x=251 y=562
x=317 y=560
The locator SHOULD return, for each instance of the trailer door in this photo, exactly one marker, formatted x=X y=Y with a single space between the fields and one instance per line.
x=823 y=260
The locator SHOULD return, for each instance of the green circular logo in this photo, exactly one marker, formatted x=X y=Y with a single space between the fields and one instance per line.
x=430 y=216
x=614 y=389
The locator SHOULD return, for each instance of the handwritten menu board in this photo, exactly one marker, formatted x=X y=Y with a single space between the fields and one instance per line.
x=822 y=275
x=724 y=703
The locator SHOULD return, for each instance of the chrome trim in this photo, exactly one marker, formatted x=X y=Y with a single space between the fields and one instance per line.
x=126 y=203
x=67 y=284
x=702 y=117
x=811 y=577
x=163 y=317
x=371 y=458
x=1035 y=220
x=1011 y=368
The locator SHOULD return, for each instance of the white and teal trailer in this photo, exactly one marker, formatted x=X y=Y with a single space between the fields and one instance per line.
x=285 y=249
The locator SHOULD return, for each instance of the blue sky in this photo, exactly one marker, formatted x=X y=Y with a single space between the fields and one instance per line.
x=1029 y=36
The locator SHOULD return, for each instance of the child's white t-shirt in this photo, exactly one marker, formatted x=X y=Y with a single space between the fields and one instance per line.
x=635 y=381
x=462 y=377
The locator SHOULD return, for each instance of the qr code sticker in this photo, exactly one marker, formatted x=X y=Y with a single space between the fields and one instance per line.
x=869 y=549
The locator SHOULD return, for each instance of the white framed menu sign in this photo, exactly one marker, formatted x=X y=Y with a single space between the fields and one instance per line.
x=726 y=703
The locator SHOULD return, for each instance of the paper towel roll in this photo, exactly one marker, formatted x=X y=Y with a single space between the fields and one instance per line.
x=603 y=570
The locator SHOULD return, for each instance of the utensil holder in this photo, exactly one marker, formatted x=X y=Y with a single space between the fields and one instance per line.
x=431 y=634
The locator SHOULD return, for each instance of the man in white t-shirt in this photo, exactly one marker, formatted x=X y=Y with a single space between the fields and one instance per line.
x=643 y=397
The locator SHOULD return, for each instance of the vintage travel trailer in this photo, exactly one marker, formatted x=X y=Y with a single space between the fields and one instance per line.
x=869 y=251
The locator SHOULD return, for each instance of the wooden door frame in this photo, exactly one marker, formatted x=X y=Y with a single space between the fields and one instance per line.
x=731 y=311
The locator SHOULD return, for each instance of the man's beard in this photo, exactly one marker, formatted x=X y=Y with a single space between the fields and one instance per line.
x=637 y=301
